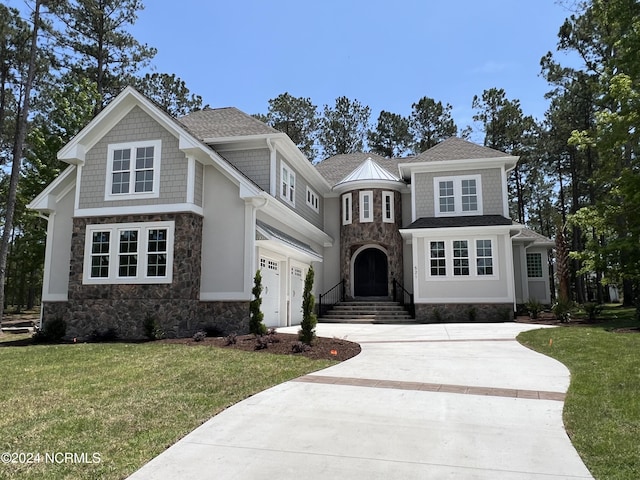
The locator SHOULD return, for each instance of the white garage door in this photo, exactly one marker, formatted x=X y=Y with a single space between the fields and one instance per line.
x=270 y=271
x=297 y=289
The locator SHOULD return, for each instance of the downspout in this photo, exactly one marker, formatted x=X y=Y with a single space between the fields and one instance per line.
x=46 y=217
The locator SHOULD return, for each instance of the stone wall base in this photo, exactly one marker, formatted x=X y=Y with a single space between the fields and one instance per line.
x=464 y=313
x=177 y=318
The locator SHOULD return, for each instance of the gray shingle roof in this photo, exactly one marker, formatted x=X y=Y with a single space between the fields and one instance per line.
x=529 y=235
x=467 y=221
x=335 y=168
x=455 y=148
x=223 y=122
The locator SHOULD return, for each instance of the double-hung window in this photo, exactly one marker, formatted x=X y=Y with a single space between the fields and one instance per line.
x=484 y=257
x=438 y=260
x=387 y=207
x=288 y=184
x=460 y=257
x=133 y=170
x=457 y=195
x=454 y=258
x=129 y=253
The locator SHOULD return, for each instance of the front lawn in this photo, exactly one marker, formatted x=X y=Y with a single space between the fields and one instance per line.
x=602 y=409
x=116 y=406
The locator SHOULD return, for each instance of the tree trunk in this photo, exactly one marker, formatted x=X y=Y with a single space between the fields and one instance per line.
x=21 y=135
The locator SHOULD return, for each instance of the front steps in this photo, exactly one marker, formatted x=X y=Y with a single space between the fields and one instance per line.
x=367 y=312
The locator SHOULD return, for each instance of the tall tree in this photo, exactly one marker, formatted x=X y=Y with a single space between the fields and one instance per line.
x=97 y=45
x=431 y=123
x=169 y=92
x=20 y=136
x=343 y=127
x=298 y=118
x=391 y=138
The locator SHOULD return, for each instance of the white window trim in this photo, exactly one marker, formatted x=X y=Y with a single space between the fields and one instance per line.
x=366 y=218
x=132 y=195
x=313 y=201
x=473 y=256
x=286 y=180
x=388 y=197
x=347 y=209
x=114 y=242
x=457 y=195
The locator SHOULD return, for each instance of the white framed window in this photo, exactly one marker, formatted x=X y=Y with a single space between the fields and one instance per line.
x=366 y=206
x=313 y=200
x=129 y=253
x=347 y=205
x=452 y=259
x=133 y=170
x=534 y=265
x=387 y=207
x=457 y=195
x=288 y=184
x=437 y=259
x=484 y=257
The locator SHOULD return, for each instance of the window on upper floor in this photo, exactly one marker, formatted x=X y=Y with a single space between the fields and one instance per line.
x=366 y=206
x=129 y=253
x=133 y=170
x=534 y=265
x=457 y=195
x=387 y=207
x=346 y=208
x=288 y=184
x=313 y=200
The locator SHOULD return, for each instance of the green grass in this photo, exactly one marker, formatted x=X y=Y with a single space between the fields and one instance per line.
x=602 y=409
x=125 y=402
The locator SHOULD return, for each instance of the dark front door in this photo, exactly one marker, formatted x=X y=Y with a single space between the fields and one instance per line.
x=370 y=272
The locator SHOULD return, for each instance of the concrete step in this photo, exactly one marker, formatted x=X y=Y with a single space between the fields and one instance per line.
x=367 y=312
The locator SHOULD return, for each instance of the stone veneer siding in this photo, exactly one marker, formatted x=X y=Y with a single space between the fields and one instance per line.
x=464 y=313
x=377 y=232
x=124 y=307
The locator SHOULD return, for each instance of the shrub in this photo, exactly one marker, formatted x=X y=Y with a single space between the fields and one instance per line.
x=199 y=336
x=52 y=331
x=231 y=339
x=472 y=313
x=151 y=328
x=562 y=309
x=534 y=307
x=108 y=335
x=300 y=347
x=592 y=310
x=309 y=320
x=262 y=342
x=213 y=331
x=437 y=314
x=255 y=323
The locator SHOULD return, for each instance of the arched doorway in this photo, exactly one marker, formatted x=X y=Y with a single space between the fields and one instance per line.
x=370 y=274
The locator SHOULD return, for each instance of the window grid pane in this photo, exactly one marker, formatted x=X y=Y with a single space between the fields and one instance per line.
x=100 y=254
x=534 y=265
x=469 y=196
x=484 y=257
x=460 y=257
x=447 y=199
x=437 y=259
x=128 y=254
x=157 y=256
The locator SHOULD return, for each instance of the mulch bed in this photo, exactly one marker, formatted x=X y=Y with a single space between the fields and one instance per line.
x=281 y=344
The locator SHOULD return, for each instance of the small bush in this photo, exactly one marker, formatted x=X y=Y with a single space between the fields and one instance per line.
x=231 y=339
x=472 y=314
x=562 y=310
x=534 y=307
x=52 y=331
x=199 y=336
x=213 y=331
x=437 y=315
x=262 y=342
x=151 y=328
x=592 y=310
x=300 y=347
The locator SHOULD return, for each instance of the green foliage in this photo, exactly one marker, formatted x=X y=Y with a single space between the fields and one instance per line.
x=391 y=138
x=562 y=309
x=430 y=124
x=438 y=314
x=534 y=307
x=472 y=314
x=100 y=336
x=53 y=331
x=343 y=128
x=170 y=93
x=152 y=328
x=592 y=309
x=256 y=326
x=308 y=325
x=199 y=336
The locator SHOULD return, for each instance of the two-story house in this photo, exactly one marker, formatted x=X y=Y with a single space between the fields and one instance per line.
x=171 y=218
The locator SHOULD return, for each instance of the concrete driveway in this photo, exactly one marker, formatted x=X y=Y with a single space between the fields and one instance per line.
x=462 y=401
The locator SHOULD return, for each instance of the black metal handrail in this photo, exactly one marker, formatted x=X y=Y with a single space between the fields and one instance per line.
x=404 y=298
x=332 y=296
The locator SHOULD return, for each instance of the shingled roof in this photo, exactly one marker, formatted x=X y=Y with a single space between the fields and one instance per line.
x=335 y=168
x=455 y=148
x=224 y=122
x=463 y=221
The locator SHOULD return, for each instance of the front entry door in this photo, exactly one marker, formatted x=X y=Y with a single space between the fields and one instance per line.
x=370 y=274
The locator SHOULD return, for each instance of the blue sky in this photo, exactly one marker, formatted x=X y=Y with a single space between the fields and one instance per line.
x=385 y=54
